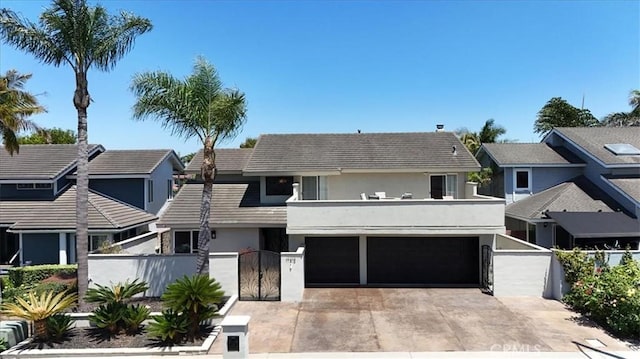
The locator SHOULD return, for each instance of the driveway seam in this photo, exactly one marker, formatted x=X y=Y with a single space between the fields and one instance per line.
x=295 y=326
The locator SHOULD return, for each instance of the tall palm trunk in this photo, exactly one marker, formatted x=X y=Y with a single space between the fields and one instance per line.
x=204 y=238
x=81 y=101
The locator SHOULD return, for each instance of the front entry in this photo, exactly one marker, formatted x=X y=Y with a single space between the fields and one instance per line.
x=259 y=275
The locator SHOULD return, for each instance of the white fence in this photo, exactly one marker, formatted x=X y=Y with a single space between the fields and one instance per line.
x=159 y=270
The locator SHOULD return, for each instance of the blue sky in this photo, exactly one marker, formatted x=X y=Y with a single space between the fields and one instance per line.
x=377 y=66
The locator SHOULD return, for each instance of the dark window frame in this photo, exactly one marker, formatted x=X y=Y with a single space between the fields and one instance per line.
x=279 y=185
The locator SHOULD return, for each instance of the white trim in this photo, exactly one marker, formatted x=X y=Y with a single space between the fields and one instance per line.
x=73 y=230
x=62 y=248
x=146 y=194
x=21 y=246
x=529 y=187
x=22 y=181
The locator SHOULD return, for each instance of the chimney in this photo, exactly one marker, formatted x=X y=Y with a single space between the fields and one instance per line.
x=439 y=128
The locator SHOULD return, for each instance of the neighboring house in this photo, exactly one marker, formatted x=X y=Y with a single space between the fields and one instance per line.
x=37 y=199
x=425 y=227
x=575 y=178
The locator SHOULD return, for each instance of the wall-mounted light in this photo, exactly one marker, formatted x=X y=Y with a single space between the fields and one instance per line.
x=213 y=234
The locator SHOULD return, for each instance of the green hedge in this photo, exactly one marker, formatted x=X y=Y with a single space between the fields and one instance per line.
x=31 y=275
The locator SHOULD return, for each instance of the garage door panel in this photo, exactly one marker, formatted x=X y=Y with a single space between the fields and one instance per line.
x=332 y=260
x=423 y=261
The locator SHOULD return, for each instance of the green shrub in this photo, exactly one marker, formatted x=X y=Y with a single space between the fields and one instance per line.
x=576 y=265
x=114 y=314
x=3 y=344
x=35 y=274
x=58 y=325
x=170 y=327
x=196 y=297
x=117 y=293
x=610 y=295
x=133 y=318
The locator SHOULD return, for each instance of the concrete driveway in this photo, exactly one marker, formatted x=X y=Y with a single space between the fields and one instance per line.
x=416 y=320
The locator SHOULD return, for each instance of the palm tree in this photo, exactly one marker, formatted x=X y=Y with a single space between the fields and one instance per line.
x=72 y=33
x=490 y=132
x=634 y=102
x=15 y=106
x=197 y=106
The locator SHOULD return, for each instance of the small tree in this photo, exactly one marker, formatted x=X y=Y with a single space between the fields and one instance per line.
x=49 y=136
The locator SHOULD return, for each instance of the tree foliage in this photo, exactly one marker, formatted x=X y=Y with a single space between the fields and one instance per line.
x=16 y=105
x=559 y=113
x=49 y=136
x=74 y=34
x=198 y=106
x=625 y=119
x=249 y=142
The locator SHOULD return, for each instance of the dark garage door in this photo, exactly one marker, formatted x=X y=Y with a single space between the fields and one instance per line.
x=331 y=260
x=440 y=261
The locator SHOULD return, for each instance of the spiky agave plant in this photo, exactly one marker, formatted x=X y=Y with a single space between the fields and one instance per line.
x=39 y=308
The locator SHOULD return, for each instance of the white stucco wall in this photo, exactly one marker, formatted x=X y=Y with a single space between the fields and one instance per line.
x=292 y=275
x=157 y=270
x=522 y=273
x=224 y=268
x=235 y=239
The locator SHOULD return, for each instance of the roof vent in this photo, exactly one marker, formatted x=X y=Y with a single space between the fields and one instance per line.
x=440 y=128
x=622 y=149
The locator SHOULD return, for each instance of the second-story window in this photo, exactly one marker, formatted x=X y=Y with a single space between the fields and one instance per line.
x=279 y=186
x=522 y=180
x=33 y=186
x=169 y=189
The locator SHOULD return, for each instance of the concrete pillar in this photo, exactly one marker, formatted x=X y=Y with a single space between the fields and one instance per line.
x=236 y=336
x=363 y=259
x=470 y=190
x=62 y=248
x=296 y=192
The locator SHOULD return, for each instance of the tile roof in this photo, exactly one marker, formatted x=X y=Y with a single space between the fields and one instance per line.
x=505 y=154
x=630 y=186
x=127 y=162
x=39 y=162
x=228 y=160
x=231 y=205
x=577 y=195
x=105 y=214
x=415 y=151
x=593 y=139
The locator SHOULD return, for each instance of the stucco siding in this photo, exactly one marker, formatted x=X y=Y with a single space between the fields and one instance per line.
x=520 y=273
x=40 y=248
x=235 y=239
x=160 y=177
x=128 y=190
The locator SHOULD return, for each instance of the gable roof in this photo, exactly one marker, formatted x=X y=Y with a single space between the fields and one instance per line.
x=105 y=214
x=577 y=195
x=231 y=205
x=416 y=151
x=40 y=162
x=228 y=160
x=593 y=139
x=535 y=154
x=130 y=162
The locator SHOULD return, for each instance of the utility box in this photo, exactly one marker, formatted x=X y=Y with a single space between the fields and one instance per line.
x=236 y=336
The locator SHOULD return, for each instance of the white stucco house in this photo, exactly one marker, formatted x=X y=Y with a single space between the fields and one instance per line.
x=368 y=208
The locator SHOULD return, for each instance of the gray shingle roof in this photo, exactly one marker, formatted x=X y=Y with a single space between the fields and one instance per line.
x=593 y=139
x=630 y=186
x=231 y=205
x=505 y=154
x=228 y=160
x=415 y=151
x=39 y=162
x=105 y=214
x=577 y=195
x=126 y=162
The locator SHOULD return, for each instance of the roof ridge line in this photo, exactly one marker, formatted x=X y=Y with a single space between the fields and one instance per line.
x=102 y=212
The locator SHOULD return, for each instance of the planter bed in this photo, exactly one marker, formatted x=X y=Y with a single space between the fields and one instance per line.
x=82 y=337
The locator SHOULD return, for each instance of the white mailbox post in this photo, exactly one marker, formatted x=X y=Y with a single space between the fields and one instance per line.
x=236 y=336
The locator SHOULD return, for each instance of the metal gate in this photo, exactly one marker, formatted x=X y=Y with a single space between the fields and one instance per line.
x=487 y=269
x=259 y=275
